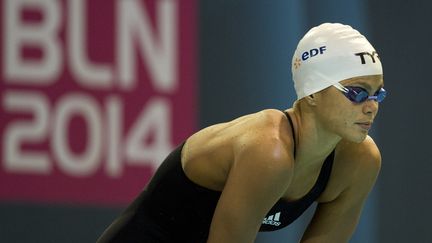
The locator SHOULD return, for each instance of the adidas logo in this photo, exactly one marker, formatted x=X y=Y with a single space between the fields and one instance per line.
x=272 y=220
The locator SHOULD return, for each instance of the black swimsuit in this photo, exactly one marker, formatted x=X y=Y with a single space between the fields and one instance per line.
x=283 y=212
x=172 y=208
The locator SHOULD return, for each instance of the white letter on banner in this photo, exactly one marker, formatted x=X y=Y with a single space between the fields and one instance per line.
x=153 y=122
x=19 y=132
x=159 y=52
x=42 y=34
x=114 y=131
x=86 y=163
x=87 y=73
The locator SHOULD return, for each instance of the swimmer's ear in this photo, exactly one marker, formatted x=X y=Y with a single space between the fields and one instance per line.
x=311 y=100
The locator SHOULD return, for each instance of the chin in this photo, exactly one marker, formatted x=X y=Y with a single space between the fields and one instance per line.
x=359 y=140
x=356 y=137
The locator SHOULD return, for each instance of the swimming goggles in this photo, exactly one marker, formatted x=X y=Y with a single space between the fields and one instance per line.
x=359 y=95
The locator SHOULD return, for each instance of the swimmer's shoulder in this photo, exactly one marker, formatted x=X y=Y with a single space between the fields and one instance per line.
x=250 y=141
x=363 y=154
x=264 y=127
x=268 y=135
x=266 y=121
x=355 y=168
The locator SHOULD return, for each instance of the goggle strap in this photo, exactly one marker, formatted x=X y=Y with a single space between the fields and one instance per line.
x=341 y=88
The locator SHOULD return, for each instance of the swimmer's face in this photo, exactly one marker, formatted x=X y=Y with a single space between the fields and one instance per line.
x=349 y=120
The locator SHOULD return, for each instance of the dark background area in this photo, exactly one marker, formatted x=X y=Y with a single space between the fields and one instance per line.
x=401 y=32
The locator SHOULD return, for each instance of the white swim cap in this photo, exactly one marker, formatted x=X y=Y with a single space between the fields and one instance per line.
x=330 y=53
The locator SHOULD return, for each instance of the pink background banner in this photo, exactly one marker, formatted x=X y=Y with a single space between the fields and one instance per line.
x=94 y=94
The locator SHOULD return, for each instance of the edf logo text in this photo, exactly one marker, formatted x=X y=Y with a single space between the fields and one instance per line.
x=313 y=52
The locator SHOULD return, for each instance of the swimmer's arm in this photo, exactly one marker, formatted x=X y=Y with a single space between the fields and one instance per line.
x=335 y=221
x=259 y=176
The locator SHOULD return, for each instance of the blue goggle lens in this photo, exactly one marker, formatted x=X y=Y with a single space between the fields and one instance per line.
x=359 y=95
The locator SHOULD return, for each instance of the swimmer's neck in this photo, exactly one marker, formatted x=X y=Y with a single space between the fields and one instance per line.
x=314 y=141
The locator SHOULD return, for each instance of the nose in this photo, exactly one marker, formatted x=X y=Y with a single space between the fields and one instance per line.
x=370 y=107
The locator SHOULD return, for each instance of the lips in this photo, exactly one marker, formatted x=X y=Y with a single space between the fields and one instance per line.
x=365 y=125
